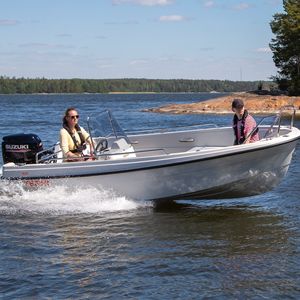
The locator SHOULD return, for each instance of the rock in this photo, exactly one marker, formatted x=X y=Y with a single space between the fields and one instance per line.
x=256 y=104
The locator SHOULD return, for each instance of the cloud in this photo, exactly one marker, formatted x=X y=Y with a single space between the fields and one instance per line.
x=107 y=66
x=204 y=49
x=172 y=18
x=101 y=37
x=64 y=35
x=144 y=2
x=138 y=62
x=6 y=22
x=274 y=2
x=242 y=6
x=209 y=3
x=34 y=45
x=264 y=50
x=172 y=59
x=239 y=6
x=45 y=45
x=132 y=22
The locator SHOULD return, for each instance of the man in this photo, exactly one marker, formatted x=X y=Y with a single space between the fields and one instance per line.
x=244 y=125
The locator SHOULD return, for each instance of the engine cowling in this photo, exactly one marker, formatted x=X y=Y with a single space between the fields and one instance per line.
x=21 y=148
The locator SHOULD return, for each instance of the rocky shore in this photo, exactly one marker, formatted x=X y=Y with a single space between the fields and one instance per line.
x=256 y=104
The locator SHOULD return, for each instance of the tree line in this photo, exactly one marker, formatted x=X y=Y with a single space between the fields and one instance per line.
x=43 y=85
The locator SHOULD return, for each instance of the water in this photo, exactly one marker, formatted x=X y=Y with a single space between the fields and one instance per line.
x=91 y=244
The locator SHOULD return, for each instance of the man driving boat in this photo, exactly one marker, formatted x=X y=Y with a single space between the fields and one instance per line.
x=244 y=125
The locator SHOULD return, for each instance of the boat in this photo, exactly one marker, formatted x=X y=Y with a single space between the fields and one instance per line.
x=196 y=163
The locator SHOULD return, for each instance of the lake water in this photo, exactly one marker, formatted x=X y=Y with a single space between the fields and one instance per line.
x=89 y=244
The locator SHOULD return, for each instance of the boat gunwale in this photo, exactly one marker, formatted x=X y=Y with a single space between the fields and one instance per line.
x=184 y=157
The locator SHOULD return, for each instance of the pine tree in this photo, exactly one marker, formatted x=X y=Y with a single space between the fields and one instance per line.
x=286 y=46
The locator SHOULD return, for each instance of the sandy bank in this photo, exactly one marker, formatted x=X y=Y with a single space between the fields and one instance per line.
x=256 y=104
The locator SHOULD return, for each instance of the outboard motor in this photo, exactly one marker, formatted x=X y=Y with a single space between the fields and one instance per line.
x=21 y=148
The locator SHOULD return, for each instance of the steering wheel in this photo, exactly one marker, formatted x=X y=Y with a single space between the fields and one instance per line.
x=101 y=145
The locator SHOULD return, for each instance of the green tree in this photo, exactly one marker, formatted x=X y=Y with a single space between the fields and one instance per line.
x=286 y=46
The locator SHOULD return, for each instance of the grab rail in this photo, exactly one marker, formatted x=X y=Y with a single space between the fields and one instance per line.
x=277 y=121
x=130 y=152
x=145 y=130
x=285 y=108
x=50 y=158
x=50 y=155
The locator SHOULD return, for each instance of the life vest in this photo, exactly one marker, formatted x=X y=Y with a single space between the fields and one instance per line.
x=235 y=129
x=78 y=147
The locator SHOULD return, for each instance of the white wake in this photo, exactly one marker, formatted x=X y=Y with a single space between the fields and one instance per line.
x=62 y=200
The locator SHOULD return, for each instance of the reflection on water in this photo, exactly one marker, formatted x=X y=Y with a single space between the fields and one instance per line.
x=236 y=249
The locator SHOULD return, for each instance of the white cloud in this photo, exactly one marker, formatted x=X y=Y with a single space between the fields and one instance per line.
x=274 y=2
x=138 y=62
x=172 y=18
x=144 y=2
x=206 y=49
x=172 y=59
x=264 y=50
x=35 y=45
x=209 y=4
x=104 y=66
x=64 y=35
x=6 y=22
x=45 y=46
x=132 y=22
x=101 y=37
x=242 y=6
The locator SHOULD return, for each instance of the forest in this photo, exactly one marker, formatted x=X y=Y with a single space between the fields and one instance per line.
x=43 y=85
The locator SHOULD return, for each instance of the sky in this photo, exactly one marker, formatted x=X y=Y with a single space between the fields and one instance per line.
x=155 y=39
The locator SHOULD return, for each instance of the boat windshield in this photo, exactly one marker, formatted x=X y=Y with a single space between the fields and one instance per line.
x=105 y=125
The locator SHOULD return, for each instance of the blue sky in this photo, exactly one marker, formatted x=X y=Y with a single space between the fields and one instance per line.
x=190 y=39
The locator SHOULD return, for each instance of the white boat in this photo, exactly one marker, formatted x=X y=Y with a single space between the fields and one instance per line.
x=194 y=163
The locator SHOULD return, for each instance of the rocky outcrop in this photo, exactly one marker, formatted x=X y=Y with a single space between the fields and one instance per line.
x=256 y=104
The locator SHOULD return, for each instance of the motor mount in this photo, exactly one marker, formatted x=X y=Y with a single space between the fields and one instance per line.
x=21 y=148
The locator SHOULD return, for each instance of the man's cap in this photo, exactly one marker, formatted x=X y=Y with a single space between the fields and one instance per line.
x=237 y=103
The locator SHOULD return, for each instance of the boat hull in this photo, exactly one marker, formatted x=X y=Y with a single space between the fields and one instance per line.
x=243 y=172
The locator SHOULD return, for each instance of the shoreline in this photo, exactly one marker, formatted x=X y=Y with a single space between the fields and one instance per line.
x=254 y=103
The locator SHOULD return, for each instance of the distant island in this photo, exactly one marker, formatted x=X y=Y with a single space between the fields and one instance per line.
x=256 y=103
x=44 y=86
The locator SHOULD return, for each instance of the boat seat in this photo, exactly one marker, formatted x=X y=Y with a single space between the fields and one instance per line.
x=119 y=147
x=120 y=144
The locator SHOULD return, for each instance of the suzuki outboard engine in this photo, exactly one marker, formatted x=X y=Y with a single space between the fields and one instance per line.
x=21 y=148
